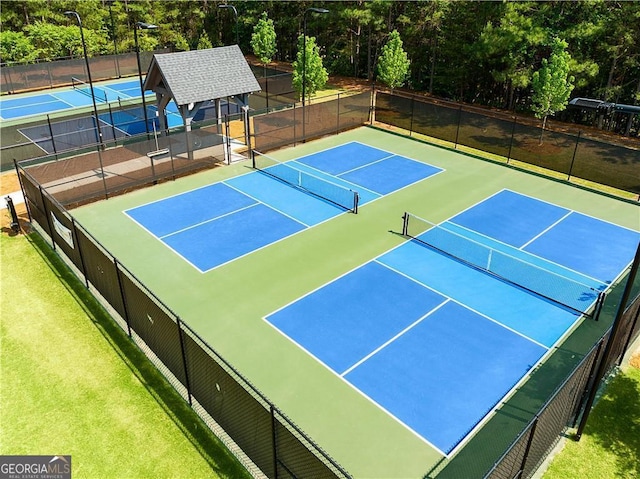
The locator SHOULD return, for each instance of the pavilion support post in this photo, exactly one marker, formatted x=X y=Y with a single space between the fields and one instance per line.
x=188 y=112
x=247 y=126
x=162 y=101
x=188 y=135
x=218 y=116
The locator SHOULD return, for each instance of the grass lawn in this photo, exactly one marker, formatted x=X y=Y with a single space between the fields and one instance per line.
x=610 y=445
x=71 y=382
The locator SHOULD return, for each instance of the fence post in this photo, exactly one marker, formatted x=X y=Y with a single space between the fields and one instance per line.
x=123 y=296
x=338 y=115
x=455 y=146
x=26 y=200
x=573 y=158
x=167 y=134
x=12 y=87
x=84 y=268
x=513 y=132
x=413 y=101
x=608 y=348
x=49 y=75
x=53 y=140
x=587 y=386
x=274 y=441
x=113 y=125
x=295 y=130
x=184 y=360
x=104 y=179
x=46 y=213
x=529 y=443
x=266 y=89
x=372 y=107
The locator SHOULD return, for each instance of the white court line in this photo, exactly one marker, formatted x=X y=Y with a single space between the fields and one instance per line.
x=268 y=205
x=464 y=305
x=207 y=221
x=401 y=333
x=546 y=230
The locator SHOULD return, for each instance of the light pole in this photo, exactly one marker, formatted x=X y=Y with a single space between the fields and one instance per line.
x=235 y=14
x=304 y=62
x=86 y=59
x=142 y=26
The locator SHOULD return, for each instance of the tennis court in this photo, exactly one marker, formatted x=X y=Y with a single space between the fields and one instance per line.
x=388 y=352
x=78 y=96
x=397 y=327
x=218 y=223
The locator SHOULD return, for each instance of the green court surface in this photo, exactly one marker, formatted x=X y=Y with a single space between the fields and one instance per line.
x=226 y=305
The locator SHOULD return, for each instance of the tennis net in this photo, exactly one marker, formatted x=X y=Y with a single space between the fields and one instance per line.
x=548 y=284
x=85 y=89
x=324 y=189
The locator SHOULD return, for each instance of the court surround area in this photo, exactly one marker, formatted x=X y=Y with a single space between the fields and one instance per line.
x=362 y=335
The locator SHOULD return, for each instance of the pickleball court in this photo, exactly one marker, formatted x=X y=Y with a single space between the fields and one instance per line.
x=421 y=341
x=218 y=223
x=435 y=335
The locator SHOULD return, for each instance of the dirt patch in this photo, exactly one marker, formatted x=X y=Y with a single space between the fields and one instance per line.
x=9 y=183
x=635 y=361
x=544 y=148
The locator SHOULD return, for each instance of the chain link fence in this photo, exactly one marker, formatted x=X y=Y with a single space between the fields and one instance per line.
x=296 y=124
x=259 y=434
x=62 y=134
x=17 y=78
x=99 y=174
x=570 y=153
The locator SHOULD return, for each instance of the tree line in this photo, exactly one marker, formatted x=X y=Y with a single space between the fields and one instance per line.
x=477 y=52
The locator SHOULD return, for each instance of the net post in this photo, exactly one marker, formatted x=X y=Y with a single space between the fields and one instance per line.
x=356 y=201
x=405 y=224
x=253 y=158
x=599 y=303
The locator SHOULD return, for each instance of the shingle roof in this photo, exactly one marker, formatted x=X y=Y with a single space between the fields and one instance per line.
x=200 y=75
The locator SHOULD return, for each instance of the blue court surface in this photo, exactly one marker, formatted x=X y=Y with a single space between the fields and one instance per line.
x=438 y=344
x=213 y=225
x=20 y=106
